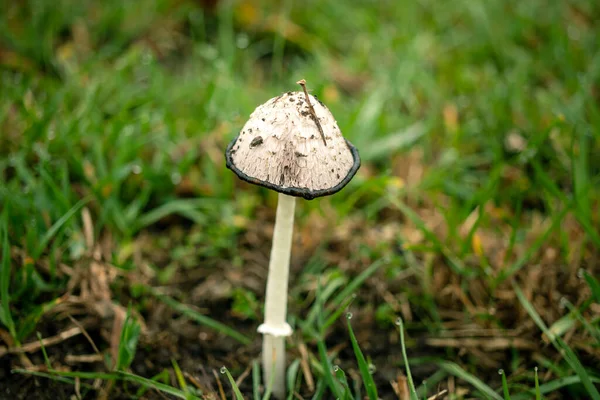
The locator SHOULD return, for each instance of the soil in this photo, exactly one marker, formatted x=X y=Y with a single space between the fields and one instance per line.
x=199 y=358
x=201 y=352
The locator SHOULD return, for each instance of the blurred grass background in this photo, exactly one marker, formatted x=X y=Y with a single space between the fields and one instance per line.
x=478 y=126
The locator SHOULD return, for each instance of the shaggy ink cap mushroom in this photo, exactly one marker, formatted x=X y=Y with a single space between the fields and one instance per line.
x=293 y=147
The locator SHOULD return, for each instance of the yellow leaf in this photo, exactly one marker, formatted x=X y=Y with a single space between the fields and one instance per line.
x=476 y=245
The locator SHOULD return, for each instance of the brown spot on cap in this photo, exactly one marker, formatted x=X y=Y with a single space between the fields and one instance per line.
x=257 y=141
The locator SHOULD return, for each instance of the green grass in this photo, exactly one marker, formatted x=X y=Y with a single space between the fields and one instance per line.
x=475 y=210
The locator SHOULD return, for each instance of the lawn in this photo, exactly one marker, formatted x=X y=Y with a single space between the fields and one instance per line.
x=464 y=256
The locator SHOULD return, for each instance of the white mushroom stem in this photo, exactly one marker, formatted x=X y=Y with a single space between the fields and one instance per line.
x=275 y=328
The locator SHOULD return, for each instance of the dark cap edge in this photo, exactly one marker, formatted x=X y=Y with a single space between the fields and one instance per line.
x=294 y=191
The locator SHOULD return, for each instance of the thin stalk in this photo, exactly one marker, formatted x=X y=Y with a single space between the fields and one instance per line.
x=275 y=328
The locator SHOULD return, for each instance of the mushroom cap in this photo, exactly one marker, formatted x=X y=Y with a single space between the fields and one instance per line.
x=281 y=148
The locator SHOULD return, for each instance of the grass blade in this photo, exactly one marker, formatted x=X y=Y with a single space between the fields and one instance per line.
x=533 y=249
x=353 y=286
x=594 y=285
x=504 y=385
x=456 y=264
x=291 y=376
x=432 y=381
x=456 y=370
x=362 y=364
x=552 y=386
x=538 y=394
x=574 y=311
x=43 y=348
x=327 y=368
x=57 y=225
x=411 y=384
x=394 y=142
x=44 y=375
x=234 y=386
x=150 y=384
x=255 y=380
x=324 y=294
x=201 y=319
x=162 y=377
x=128 y=343
x=64 y=376
x=553 y=188
x=341 y=377
x=569 y=355
x=320 y=390
x=333 y=318
x=179 y=376
x=5 y=314
x=185 y=207
x=269 y=385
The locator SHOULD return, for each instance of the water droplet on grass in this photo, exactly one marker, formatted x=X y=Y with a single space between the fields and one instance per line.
x=349 y=315
x=336 y=368
x=372 y=369
x=223 y=370
x=501 y=372
x=136 y=169
x=398 y=321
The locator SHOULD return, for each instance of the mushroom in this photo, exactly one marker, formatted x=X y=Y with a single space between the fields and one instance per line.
x=292 y=145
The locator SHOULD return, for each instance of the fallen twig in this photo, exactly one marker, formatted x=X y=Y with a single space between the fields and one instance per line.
x=35 y=346
x=83 y=358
